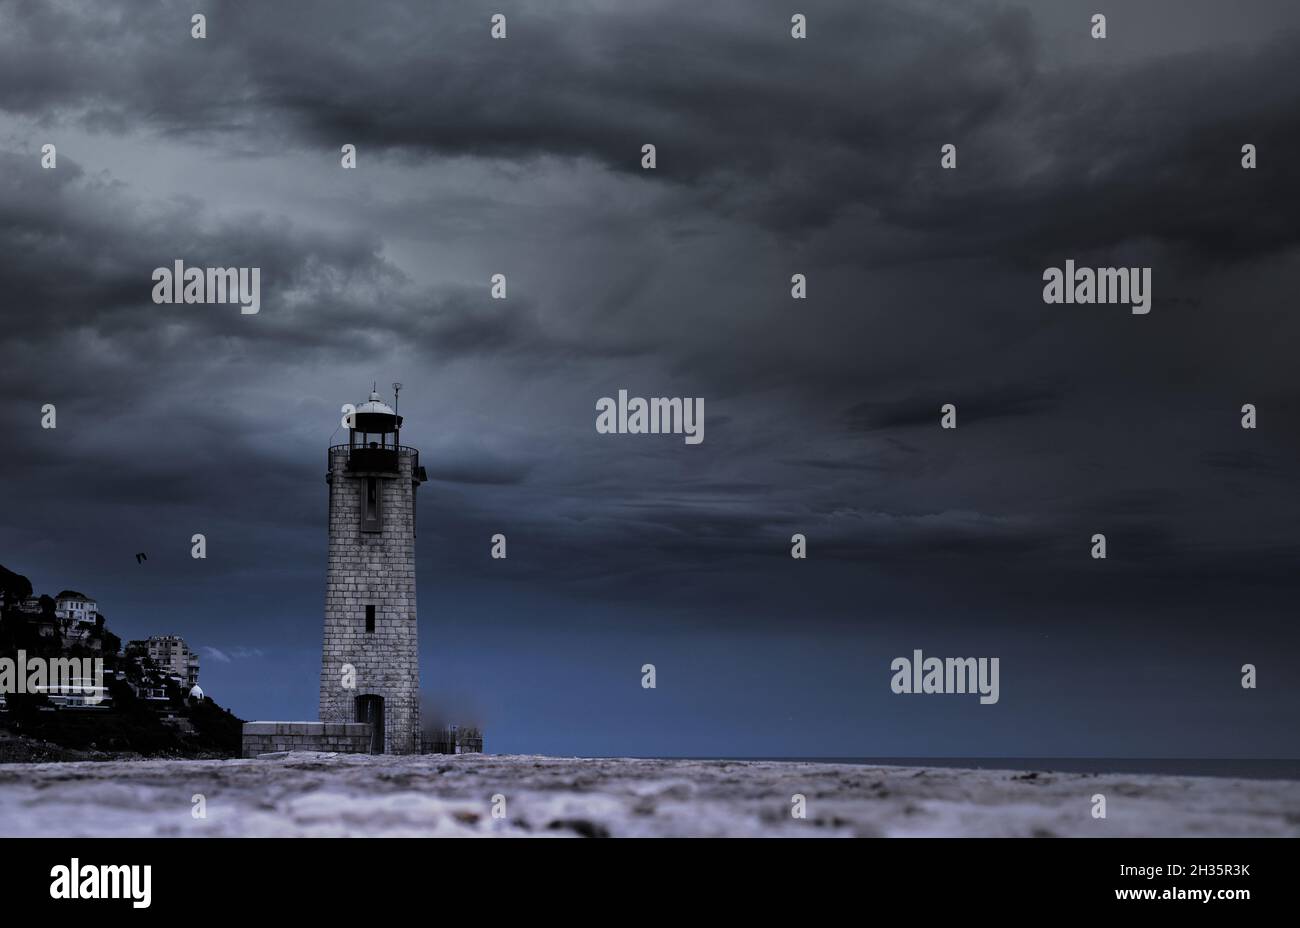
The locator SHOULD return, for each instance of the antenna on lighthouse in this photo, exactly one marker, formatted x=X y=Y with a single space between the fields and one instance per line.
x=397 y=388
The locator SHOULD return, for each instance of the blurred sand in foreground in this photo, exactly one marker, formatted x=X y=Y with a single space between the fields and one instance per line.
x=361 y=795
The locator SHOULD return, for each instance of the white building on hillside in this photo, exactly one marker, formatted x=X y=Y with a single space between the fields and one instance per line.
x=74 y=606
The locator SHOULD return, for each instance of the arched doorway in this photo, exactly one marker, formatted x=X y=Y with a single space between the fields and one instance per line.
x=370 y=708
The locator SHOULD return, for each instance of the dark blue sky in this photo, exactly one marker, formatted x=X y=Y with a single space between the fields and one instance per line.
x=775 y=156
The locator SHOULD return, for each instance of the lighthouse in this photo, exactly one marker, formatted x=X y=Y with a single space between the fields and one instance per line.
x=370 y=658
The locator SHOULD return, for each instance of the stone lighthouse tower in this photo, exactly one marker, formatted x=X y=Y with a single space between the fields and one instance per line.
x=370 y=586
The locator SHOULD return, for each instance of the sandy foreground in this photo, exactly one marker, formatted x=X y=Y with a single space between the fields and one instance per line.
x=359 y=795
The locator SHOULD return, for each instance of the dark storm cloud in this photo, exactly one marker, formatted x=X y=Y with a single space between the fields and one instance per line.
x=775 y=156
x=745 y=122
x=67 y=217
x=479 y=468
x=792 y=134
x=322 y=293
x=1250 y=463
x=995 y=402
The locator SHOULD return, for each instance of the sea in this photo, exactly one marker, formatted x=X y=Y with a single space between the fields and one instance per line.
x=1242 y=768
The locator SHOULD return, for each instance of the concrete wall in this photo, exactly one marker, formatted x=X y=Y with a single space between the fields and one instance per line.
x=454 y=741
x=340 y=737
x=372 y=569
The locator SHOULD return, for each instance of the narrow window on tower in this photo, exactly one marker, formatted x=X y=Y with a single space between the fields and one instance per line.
x=371 y=506
x=370 y=618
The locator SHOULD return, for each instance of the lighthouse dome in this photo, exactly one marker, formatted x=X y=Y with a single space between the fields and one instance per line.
x=375 y=405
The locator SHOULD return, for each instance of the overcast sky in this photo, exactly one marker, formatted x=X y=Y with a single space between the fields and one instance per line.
x=775 y=156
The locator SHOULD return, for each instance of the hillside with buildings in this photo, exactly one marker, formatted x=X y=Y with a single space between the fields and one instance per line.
x=143 y=698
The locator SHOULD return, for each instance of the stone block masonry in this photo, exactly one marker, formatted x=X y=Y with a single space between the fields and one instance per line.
x=372 y=570
x=336 y=737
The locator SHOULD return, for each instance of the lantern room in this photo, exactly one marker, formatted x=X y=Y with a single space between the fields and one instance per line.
x=374 y=437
